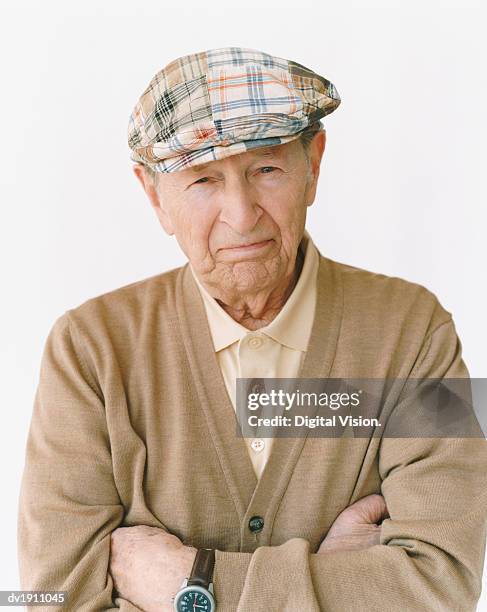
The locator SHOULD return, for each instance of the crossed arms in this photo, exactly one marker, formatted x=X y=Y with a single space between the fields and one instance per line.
x=427 y=559
x=147 y=564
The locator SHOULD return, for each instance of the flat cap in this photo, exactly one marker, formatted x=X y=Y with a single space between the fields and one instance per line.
x=220 y=102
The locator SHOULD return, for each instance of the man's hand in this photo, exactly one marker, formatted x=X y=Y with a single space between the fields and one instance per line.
x=148 y=565
x=357 y=526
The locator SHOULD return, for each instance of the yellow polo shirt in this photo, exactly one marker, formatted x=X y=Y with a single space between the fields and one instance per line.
x=273 y=351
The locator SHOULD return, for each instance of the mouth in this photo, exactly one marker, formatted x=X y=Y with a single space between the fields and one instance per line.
x=251 y=245
x=246 y=250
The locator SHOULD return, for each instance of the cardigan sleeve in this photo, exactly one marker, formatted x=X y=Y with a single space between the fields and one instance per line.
x=432 y=547
x=69 y=504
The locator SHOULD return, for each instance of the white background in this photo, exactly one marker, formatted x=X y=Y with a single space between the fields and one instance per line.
x=403 y=189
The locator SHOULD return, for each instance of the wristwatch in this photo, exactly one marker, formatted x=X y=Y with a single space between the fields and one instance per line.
x=196 y=592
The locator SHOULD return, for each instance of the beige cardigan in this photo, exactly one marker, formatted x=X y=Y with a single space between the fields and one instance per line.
x=132 y=425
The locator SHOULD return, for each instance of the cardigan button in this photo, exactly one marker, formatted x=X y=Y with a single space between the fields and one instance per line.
x=256 y=524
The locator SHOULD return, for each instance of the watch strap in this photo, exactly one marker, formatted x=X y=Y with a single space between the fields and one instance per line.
x=202 y=570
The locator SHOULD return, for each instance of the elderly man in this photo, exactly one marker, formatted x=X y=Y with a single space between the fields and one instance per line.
x=137 y=492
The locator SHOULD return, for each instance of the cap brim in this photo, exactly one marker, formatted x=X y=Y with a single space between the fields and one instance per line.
x=215 y=153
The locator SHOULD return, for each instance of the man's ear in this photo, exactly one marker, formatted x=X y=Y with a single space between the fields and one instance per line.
x=315 y=153
x=147 y=182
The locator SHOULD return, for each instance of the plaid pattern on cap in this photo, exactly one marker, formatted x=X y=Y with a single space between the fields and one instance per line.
x=221 y=102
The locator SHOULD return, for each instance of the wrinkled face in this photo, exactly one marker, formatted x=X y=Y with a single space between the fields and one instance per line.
x=240 y=220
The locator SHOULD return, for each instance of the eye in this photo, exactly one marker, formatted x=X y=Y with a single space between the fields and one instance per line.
x=200 y=181
x=267 y=169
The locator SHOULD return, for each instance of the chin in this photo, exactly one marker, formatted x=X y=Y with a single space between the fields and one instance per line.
x=251 y=276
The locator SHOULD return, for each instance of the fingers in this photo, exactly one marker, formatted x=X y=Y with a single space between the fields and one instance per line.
x=360 y=538
x=142 y=532
x=357 y=527
x=370 y=509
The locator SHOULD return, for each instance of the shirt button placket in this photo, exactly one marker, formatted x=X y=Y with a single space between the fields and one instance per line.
x=253 y=357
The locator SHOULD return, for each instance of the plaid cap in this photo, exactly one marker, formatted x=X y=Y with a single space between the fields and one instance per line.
x=221 y=102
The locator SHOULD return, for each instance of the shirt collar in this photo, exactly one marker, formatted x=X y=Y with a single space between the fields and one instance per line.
x=224 y=330
x=291 y=327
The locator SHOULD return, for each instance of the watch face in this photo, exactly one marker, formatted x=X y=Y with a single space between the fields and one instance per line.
x=194 y=600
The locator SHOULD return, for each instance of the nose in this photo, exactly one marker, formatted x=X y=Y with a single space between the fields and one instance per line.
x=239 y=207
